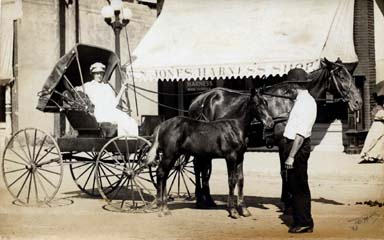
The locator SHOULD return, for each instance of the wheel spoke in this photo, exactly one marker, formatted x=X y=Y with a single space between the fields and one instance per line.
x=170 y=187
x=27 y=142
x=45 y=154
x=178 y=182
x=105 y=175
x=118 y=149
x=89 y=176
x=46 y=170
x=78 y=177
x=133 y=192
x=187 y=170
x=36 y=193
x=25 y=154
x=42 y=186
x=45 y=178
x=9 y=160
x=127 y=151
x=26 y=161
x=10 y=185
x=185 y=183
x=143 y=186
x=29 y=187
x=94 y=181
x=140 y=193
x=119 y=188
x=109 y=165
x=16 y=170
x=147 y=180
x=41 y=147
x=78 y=166
x=18 y=194
x=34 y=145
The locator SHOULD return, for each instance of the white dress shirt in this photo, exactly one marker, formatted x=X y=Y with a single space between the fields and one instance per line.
x=302 y=116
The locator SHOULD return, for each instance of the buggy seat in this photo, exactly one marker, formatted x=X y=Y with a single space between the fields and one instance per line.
x=79 y=110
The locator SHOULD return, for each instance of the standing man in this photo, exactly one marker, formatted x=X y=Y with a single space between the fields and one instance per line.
x=297 y=148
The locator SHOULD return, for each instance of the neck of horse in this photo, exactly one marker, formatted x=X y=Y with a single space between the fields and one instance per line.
x=318 y=85
x=245 y=118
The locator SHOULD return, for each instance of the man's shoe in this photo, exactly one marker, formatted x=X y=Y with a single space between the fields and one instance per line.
x=301 y=229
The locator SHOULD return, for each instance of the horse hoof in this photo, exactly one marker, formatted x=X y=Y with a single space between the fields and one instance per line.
x=243 y=211
x=210 y=203
x=167 y=212
x=164 y=213
x=233 y=213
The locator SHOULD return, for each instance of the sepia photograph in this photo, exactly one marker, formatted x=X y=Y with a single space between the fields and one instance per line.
x=191 y=119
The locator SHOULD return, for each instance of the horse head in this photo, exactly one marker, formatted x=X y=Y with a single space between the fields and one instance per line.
x=340 y=83
x=259 y=106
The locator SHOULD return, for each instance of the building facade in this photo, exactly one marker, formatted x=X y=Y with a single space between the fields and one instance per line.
x=44 y=30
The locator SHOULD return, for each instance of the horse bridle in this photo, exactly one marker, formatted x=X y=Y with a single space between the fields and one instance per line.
x=344 y=96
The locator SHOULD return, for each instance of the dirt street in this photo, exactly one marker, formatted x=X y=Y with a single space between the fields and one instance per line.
x=337 y=182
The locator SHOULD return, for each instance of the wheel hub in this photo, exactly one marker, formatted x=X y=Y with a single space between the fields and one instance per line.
x=32 y=168
x=130 y=173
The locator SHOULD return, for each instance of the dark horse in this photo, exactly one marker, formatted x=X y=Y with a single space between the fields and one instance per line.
x=221 y=103
x=224 y=138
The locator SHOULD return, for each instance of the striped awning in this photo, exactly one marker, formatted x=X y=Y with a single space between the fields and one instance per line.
x=203 y=39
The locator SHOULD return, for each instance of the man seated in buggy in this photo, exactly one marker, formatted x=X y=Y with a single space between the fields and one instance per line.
x=103 y=97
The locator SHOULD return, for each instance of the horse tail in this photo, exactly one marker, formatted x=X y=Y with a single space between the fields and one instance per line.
x=152 y=154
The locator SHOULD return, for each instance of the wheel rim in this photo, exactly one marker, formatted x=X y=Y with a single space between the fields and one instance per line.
x=128 y=176
x=180 y=178
x=32 y=167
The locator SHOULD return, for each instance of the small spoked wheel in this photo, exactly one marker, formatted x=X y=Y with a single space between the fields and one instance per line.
x=83 y=170
x=123 y=177
x=32 y=167
x=181 y=183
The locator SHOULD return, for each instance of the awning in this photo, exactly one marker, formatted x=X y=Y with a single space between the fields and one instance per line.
x=203 y=39
x=9 y=10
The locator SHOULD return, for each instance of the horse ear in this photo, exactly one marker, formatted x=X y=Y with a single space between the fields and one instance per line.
x=338 y=60
x=323 y=63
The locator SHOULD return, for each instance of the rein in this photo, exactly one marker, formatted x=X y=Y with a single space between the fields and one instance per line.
x=344 y=96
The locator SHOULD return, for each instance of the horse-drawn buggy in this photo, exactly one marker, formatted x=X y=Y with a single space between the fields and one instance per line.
x=100 y=161
x=116 y=166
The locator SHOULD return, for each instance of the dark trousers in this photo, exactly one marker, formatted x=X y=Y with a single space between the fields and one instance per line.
x=297 y=183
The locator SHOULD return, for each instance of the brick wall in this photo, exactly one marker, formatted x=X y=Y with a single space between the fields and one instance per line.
x=365 y=48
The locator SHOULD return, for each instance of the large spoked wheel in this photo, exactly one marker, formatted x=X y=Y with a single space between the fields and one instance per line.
x=32 y=167
x=123 y=177
x=83 y=170
x=181 y=178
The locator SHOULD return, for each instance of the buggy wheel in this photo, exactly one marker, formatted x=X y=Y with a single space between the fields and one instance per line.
x=126 y=185
x=32 y=167
x=181 y=178
x=83 y=170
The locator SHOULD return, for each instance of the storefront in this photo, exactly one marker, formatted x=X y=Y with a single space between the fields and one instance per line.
x=198 y=45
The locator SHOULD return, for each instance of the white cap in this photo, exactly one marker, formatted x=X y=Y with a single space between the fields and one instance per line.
x=97 y=67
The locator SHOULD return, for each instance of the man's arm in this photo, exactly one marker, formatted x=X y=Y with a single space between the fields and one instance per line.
x=295 y=147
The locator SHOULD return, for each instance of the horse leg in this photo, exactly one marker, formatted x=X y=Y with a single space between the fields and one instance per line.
x=162 y=175
x=198 y=187
x=206 y=173
x=231 y=169
x=242 y=209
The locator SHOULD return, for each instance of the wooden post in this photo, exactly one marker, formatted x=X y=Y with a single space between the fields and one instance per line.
x=59 y=118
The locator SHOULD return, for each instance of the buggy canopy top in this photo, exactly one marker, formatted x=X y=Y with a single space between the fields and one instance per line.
x=72 y=70
x=202 y=39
